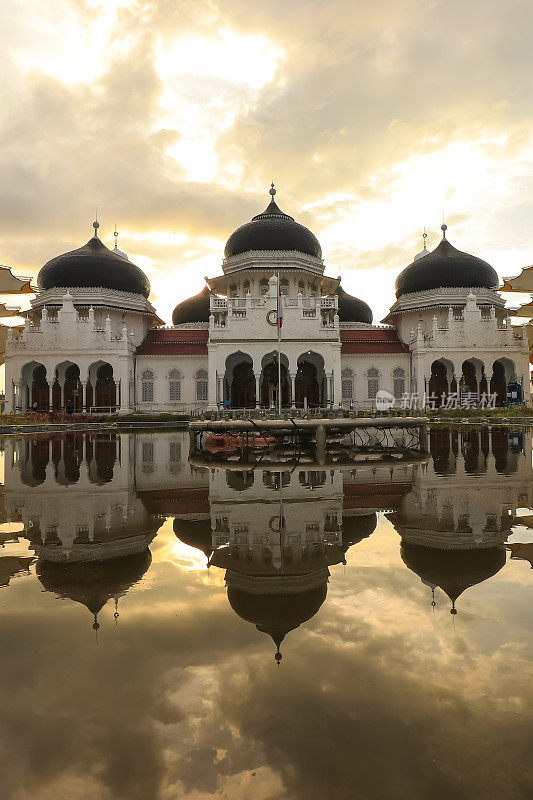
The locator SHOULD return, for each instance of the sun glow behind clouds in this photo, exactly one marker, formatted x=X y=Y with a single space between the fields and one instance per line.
x=208 y=81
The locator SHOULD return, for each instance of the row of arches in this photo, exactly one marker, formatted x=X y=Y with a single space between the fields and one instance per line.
x=65 y=389
x=241 y=387
x=473 y=379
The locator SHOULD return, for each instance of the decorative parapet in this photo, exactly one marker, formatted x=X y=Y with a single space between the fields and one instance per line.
x=323 y=309
x=69 y=331
x=270 y=259
x=470 y=328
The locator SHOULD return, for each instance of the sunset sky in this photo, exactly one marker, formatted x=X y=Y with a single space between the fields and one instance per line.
x=173 y=116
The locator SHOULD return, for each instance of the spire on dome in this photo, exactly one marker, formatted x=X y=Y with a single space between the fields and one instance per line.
x=96 y=225
x=278 y=656
x=424 y=251
x=444 y=228
x=272 y=190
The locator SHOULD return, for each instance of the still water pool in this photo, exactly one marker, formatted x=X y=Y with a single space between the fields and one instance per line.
x=171 y=631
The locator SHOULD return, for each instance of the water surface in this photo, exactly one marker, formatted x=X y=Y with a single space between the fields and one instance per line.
x=163 y=638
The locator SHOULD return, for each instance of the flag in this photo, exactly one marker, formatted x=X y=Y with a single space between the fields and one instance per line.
x=279 y=310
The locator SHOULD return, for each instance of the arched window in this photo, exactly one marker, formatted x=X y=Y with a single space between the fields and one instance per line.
x=233 y=290
x=263 y=286
x=246 y=286
x=347 y=384
x=174 y=386
x=147 y=386
x=201 y=385
x=301 y=286
x=398 y=382
x=284 y=286
x=372 y=377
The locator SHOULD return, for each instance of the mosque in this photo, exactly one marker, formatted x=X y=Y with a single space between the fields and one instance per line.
x=92 y=341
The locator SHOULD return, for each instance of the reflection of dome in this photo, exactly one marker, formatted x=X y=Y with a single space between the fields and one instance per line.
x=194 y=532
x=93 y=583
x=280 y=612
x=351 y=309
x=93 y=265
x=272 y=230
x=10 y=566
x=453 y=570
x=194 y=309
x=446 y=267
x=357 y=527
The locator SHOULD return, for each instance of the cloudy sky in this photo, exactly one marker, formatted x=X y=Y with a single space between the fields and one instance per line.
x=173 y=116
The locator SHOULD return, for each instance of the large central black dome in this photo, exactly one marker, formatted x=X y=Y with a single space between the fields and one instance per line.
x=273 y=230
x=446 y=267
x=93 y=265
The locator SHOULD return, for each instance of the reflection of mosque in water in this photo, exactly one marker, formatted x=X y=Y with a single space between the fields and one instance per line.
x=91 y=503
x=456 y=519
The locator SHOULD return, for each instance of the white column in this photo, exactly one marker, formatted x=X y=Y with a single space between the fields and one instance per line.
x=293 y=389
x=50 y=397
x=117 y=392
x=16 y=396
x=62 y=385
x=84 y=397
x=257 y=389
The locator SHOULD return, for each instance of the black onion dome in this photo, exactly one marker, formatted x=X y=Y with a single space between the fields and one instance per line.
x=272 y=230
x=453 y=570
x=351 y=309
x=93 y=265
x=194 y=309
x=358 y=527
x=277 y=614
x=446 y=267
x=195 y=532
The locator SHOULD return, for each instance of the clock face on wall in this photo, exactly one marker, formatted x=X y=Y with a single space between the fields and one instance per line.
x=272 y=317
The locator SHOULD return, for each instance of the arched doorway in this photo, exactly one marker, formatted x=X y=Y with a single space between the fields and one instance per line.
x=503 y=372
x=72 y=389
x=243 y=386
x=239 y=382
x=310 y=381
x=101 y=387
x=34 y=387
x=439 y=382
x=270 y=379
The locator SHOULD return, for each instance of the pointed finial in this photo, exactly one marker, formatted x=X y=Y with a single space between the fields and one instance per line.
x=444 y=228
x=424 y=237
x=115 y=234
x=96 y=224
x=278 y=656
x=453 y=609
x=272 y=191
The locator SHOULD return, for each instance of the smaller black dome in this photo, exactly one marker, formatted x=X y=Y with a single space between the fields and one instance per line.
x=446 y=267
x=351 y=309
x=93 y=265
x=273 y=230
x=194 y=309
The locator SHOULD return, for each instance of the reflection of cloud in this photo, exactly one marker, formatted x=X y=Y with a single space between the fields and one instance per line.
x=183 y=699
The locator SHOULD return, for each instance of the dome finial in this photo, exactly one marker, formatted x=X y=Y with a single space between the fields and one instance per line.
x=444 y=228
x=96 y=224
x=424 y=237
x=272 y=190
x=115 y=234
x=278 y=656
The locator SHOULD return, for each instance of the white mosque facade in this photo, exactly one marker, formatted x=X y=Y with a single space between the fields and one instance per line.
x=93 y=341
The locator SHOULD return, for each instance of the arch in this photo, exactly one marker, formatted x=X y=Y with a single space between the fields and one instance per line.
x=472 y=376
x=66 y=392
x=268 y=385
x=503 y=372
x=441 y=381
x=309 y=384
x=239 y=480
x=239 y=380
x=101 y=389
x=33 y=381
x=263 y=286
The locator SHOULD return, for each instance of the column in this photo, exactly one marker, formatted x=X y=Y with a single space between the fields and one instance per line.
x=328 y=389
x=23 y=397
x=117 y=393
x=16 y=396
x=293 y=389
x=62 y=385
x=50 y=398
x=83 y=396
x=220 y=381
x=257 y=389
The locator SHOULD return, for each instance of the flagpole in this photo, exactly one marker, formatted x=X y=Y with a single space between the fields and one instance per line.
x=279 y=314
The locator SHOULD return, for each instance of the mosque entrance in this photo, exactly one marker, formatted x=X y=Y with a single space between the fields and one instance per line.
x=306 y=387
x=269 y=386
x=243 y=386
